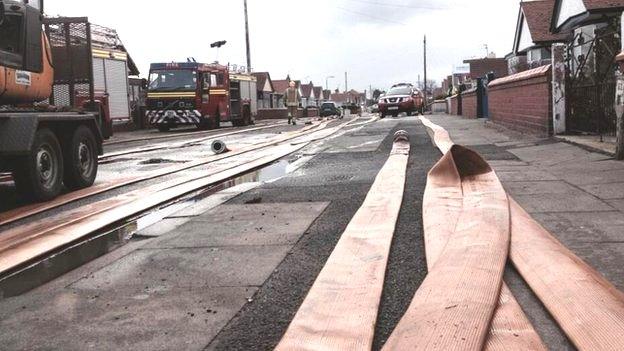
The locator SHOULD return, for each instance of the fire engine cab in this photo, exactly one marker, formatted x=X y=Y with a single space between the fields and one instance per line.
x=203 y=95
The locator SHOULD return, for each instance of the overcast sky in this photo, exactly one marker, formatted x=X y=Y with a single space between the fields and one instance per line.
x=378 y=42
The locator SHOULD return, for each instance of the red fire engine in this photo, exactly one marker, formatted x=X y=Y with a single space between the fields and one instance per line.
x=203 y=95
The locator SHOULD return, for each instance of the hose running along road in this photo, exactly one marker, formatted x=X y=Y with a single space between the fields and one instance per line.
x=23 y=244
x=29 y=210
x=587 y=307
x=340 y=310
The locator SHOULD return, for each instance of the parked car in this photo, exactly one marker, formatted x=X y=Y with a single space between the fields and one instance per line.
x=374 y=108
x=330 y=108
x=401 y=98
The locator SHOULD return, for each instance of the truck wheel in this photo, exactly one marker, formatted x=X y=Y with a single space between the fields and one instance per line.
x=163 y=128
x=81 y=159
x=382 y=115
x=207 y=124
x=39 y=175
x=217 y=122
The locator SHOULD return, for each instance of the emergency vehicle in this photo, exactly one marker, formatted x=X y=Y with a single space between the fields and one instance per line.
x=204 y=95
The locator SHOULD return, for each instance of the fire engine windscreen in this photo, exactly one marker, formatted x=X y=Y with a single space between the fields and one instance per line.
x=173 y=80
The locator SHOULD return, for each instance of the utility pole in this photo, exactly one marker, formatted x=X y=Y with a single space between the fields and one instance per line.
x=247 y=38
x=425 y=52
x=346 y=82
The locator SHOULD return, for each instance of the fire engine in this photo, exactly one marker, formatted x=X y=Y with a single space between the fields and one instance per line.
x=204 y=95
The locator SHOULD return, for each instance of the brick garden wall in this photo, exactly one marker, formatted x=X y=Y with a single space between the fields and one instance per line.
x=276 y=113
x=469 y=104
x=522 y=101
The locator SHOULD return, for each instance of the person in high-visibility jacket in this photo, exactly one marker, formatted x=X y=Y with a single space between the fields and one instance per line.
x=292 y=99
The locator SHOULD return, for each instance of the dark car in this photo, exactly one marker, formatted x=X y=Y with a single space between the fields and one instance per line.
x=401 y=98
x=329 y=108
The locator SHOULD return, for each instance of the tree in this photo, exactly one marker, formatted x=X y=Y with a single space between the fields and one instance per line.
x=377 y=93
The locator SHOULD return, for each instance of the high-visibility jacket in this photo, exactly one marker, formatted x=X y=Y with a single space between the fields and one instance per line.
x=292 y=98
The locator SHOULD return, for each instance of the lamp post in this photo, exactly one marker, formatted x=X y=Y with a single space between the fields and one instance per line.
x=247 y=38
x=327 y=82
x=218 y=44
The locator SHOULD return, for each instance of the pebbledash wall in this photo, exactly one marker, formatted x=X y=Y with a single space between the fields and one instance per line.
x=522 y=101
x=469 y=104
x=454 y=105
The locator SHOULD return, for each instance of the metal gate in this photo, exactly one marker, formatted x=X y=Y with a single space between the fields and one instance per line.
x=590 y=66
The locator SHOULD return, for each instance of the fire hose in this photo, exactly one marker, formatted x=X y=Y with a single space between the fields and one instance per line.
x=471 y=227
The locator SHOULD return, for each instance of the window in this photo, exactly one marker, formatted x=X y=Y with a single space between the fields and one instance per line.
x=173 y=80
x=220 y=79
x=11 y=38
x=213 y=80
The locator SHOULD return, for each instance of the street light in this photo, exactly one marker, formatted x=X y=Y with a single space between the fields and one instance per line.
x=218 y=44
x=327 y=82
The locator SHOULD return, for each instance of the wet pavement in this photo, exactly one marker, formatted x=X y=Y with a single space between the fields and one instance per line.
x=227 y=270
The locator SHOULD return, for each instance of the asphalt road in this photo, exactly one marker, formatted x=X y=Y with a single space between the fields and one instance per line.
x=343 y=179
x=231 y=278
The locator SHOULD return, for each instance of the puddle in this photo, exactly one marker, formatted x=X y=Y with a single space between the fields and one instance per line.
x=267 y=174
x=156 y=161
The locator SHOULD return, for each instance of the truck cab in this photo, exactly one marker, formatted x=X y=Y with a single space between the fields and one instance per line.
x=203 y=95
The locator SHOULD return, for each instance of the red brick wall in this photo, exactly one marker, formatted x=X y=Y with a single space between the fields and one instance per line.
x=276 y=113
x=469 y=104
x=523 y=105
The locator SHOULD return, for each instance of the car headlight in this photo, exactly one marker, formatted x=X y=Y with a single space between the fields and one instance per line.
x=380 y=101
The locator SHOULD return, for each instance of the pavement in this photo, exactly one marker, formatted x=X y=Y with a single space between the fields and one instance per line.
x=230 y=271
x=577 y=194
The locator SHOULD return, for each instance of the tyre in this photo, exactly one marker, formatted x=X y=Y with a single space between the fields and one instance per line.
x=395 y=115
x=163 y=128
x=39 y=175
x=204 y=124
x=382 y=115
x=80 y=158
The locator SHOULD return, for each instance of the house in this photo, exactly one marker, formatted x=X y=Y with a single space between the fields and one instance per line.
x=459 y=76
x=318 y=93
x=533 y=39
x=593 y=29
x=326 y=95
x=351 y=97
x=569 y=15
x=307 y=95
x=481 y=67
x=279 y=87
x=265 y=90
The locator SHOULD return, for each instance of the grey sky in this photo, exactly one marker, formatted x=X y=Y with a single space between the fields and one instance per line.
x=378 y=42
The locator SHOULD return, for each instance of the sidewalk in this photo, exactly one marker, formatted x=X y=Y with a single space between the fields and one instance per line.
x=576 y=194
